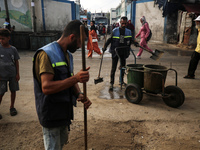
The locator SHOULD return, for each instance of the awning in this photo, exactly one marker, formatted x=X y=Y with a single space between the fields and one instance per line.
x=192 y=8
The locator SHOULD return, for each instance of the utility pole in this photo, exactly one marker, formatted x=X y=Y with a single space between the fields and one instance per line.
x=33 y=15
x=6 y=7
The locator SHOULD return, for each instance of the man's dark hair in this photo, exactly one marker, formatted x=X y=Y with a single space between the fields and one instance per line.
x=73 y=27
x=124 y=18
x=4 y=32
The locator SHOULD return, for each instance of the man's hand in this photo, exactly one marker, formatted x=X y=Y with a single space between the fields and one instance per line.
x=83 y=76
x=103 y=49
x=86 y=103
x=136 y=44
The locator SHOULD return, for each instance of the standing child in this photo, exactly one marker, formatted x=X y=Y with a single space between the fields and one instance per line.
x=9 y=69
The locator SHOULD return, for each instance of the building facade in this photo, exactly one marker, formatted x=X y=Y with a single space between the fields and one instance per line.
x=112 y=15
x=169 y=20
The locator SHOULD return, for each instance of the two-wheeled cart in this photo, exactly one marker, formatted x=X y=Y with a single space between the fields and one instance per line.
x=150 y=79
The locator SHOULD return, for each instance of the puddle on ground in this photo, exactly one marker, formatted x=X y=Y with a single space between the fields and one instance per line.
x=117 y=92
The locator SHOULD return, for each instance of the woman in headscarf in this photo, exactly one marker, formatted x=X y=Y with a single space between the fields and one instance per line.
x=143 y=33
x=93 y=41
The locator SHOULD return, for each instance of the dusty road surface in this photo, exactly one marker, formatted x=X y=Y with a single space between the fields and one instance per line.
x=113 y=122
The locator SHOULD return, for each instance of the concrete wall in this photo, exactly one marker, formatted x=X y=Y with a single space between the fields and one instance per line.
x=170 y=31
x=153 y=16
x=57 y=15
x=38 y=14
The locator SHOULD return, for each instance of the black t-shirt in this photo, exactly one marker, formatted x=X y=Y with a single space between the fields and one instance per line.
x=121 y=38
x=8 y=27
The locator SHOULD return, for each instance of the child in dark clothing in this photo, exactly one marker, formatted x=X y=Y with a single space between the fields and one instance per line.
x=9 y=69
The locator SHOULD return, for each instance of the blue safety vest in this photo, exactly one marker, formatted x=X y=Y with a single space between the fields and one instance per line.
x=116 y=40
x=55 y=110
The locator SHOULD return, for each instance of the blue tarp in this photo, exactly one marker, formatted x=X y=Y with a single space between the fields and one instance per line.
x=167 y=7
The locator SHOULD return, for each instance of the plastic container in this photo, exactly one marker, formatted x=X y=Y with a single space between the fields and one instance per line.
x=135 y=74
x=154 y=75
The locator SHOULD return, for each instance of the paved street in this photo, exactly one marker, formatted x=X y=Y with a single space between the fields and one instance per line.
x=148 y=125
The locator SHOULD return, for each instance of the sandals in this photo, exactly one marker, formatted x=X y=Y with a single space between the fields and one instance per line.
x=13 y=111
x=188 y=77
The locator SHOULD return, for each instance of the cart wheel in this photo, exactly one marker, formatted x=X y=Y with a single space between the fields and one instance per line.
x=133 y=93
x=174 y=96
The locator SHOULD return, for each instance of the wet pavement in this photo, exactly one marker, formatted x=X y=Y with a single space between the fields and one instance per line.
x=173 y=57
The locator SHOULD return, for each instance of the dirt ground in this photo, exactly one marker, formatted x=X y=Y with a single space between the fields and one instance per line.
x=113 y=122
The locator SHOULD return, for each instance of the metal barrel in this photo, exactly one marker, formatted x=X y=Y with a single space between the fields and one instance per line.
x=154 y=78
x=135 y=74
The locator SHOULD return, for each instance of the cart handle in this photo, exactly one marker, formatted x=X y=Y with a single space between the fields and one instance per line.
x=175 y=75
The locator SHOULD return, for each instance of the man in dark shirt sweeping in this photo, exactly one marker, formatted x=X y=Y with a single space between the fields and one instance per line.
x=120 y=37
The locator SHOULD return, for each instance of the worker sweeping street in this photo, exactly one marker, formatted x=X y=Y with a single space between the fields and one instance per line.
x=120 y=37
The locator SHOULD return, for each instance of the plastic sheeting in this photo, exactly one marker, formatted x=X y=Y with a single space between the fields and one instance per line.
x=167 y=7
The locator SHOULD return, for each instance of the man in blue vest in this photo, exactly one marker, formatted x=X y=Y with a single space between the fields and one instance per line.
x=56 y=87
x=120 y=37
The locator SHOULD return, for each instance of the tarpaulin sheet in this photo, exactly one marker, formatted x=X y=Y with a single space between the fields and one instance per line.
x=160 y=3
x=167 y=7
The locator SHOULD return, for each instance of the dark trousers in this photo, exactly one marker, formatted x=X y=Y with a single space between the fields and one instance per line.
x=193 y=63
x=114 y=67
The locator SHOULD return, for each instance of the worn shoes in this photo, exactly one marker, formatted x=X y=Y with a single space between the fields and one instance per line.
x=13 y=111
x=138 y=57
x=188 y=77
x=111 y=87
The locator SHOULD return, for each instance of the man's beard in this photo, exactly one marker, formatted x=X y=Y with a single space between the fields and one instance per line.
x=198 y=26
x=73 y=46
x=123 y=27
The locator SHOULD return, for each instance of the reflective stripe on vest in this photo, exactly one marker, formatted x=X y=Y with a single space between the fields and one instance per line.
x=116 y=37
x=127 y=36
x=57 y=64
